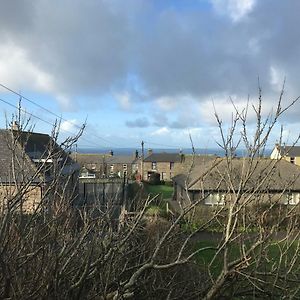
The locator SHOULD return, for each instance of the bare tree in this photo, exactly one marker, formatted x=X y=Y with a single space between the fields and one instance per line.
x=64 y=251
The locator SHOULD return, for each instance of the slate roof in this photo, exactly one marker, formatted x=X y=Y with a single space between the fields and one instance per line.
x=120 y=159
x=86 y=158
x=290 y=151
x=271 y=175
x=163 y=157
x=30 y=147
x=14 y=166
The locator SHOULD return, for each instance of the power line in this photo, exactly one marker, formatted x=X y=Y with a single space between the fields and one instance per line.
x=45 y=121
x=65 y=120
x=51 y=112
x=163 y=145
x=26 y=112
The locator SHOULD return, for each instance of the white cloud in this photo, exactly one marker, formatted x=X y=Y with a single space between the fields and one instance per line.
x=236 y=9
x=276 y=78
x=124 y=100
x=223 y=106
x=69 y=125
x=161 y=131
x=166 y=103
x=18 y=71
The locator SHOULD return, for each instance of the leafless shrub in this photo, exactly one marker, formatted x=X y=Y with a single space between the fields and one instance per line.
x=63 y=251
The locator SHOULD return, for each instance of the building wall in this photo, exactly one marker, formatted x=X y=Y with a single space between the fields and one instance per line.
x=185 y=198
x=276 y=155
x=165 y=170
x=295 y=160
x=30 y=200
x=121 y=169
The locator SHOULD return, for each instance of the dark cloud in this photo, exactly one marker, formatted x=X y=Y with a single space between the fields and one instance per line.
x=93 y=47
x=160 y=119
x=139 y=122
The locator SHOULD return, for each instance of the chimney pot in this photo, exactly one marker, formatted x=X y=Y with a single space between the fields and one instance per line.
x=15 y=125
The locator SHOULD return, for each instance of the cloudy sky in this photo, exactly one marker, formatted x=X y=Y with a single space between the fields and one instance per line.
x=148 y=69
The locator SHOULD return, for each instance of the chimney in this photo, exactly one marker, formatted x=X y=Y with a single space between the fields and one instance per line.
x=111 y=153
x=15 y=126
x=150 y=151
x=136 y=154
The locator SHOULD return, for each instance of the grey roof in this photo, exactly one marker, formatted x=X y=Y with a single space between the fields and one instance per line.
x=87 y=158
x=291 y=151
x=15 y=165
x=163 y=157
x=120 y=159
x=268 y=174
x=19 y=158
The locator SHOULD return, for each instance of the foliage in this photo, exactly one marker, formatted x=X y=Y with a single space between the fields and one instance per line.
x=154 y=178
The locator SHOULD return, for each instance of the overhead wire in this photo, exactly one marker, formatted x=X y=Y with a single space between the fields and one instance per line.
x=45 y=121
x=51 y=112
x=65 y=120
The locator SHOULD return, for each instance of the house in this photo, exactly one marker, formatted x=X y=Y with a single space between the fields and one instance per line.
x=216 y=182
x=289 y=153
x=29 y=163
x=170 y=164
x=106 y=165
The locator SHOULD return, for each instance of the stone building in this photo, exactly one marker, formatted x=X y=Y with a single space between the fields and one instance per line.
x=29 y=163
x=169 y=165
x=289 y=153
x=106 y=165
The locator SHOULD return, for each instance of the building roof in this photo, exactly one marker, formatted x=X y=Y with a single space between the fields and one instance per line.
x=290 y=151
x=15 y=165
x=86 y=158
x=163 y=157
x=20 y=158
x=267 y=174
x=120 y=159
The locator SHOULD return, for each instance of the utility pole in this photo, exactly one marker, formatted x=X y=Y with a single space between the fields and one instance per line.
x=76 y=152
x=142 y=162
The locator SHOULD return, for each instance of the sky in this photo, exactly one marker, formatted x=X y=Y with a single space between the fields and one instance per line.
x=148 y=70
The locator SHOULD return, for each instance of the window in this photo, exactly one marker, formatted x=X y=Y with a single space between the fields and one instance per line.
x=154 y=165
x=171 y=165
x=215 y=199
x=292 y=160
x=163 y=175
x=111 y=169
x=124 y=167
x=291 y=198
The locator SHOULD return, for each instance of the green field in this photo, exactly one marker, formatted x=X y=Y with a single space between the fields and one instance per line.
x=164 y=190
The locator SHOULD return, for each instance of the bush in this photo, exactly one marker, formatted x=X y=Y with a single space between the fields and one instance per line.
x=154 y=178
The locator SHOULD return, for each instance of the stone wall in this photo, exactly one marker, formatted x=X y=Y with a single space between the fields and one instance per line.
x=27 y=204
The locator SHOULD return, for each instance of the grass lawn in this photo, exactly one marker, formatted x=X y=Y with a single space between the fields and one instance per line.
x=272 y=252
x=164 y=190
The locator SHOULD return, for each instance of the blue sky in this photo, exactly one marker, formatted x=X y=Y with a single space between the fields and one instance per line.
x=148 y=70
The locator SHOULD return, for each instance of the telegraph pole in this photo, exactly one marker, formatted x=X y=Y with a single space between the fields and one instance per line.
x=142 y=162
